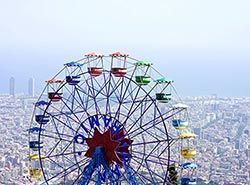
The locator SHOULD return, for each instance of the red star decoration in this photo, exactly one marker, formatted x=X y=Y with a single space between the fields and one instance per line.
x=113 y=144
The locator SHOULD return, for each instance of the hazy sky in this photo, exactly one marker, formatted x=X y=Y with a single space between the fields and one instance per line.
x=204 y=45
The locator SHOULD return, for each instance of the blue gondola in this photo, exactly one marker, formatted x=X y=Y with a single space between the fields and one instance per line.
x=188 y=181
x=42 y=119
x=72 y=80
x=73 y=64
x=41 y=103
x=35 y=129
x=179 y=124
x=189 y=165
x=35 y=145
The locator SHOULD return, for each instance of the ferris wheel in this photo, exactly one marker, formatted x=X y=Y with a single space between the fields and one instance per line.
x=110 y=120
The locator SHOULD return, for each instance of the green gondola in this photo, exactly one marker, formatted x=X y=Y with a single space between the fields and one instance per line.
x=143 y=63
x=163 y=97
x=143 y=80
x=163 y=80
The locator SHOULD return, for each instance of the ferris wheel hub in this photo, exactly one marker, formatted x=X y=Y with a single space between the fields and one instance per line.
x=114 y=145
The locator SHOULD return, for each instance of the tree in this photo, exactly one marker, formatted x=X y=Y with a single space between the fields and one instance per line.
x=173 y=175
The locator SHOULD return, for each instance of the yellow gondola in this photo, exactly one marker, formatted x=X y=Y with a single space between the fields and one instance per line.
x=188 y=153
x=35 y=156
x=187 y=135
x=36 y=172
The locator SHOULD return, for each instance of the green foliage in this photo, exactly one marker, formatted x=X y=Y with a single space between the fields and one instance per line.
x=173 y=175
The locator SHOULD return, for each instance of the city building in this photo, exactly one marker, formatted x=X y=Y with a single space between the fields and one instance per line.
x=12 y=86
x=31 y=87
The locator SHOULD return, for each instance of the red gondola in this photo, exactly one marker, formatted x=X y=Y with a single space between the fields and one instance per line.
x=55 y=97
x=119 y=70
x=94 y=70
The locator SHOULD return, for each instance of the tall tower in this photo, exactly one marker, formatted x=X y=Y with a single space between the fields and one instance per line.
x=31 y=87
x=12 y=86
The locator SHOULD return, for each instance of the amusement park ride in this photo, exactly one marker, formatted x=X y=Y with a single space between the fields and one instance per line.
x=110 y=120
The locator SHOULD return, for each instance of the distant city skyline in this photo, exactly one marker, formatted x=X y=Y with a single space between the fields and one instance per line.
x=191 y=79
x=202 y=45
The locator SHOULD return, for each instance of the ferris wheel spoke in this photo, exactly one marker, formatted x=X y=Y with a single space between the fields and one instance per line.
x=147 y=170
x=117 y=114
x=83 y=91
x=72 y=113
x=158 y=157
x=107 y=95
x=57 y=145
x=54 y=162
x=98 y=90
x=87 y=104
x=141 y=177
x=129 y=93
x=128 y=85
x=141 y=115
x=66 y=160
x=150 y=142
x=152 y=132
x=118 y=97
x=146 y=180
x=79 y=90
x=64 y=154
x=167 y=147
x=155 y=161
x=101 y=88
x=115 y=88
x=94 y=96
x=68 y=170
x=123 y=93
x=67 y=146
x=61 y=134
x=60 y=111
x=71 y=109
x=57 y=131
x=82 y=101
x=73 y=100
x=151 y=173
x=148 y=133
x=145 y=130
x=52 y=149
x=52 y=137
x=63 y=123
x=153 y=149
x=131 y=111
x=105 y=86
x=95 y=102
x=156 y=123
x=113 y=91
x=146 y=108
x=91 y=87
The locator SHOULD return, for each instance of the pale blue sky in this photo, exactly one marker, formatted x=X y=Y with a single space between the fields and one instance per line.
x=202 y=44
